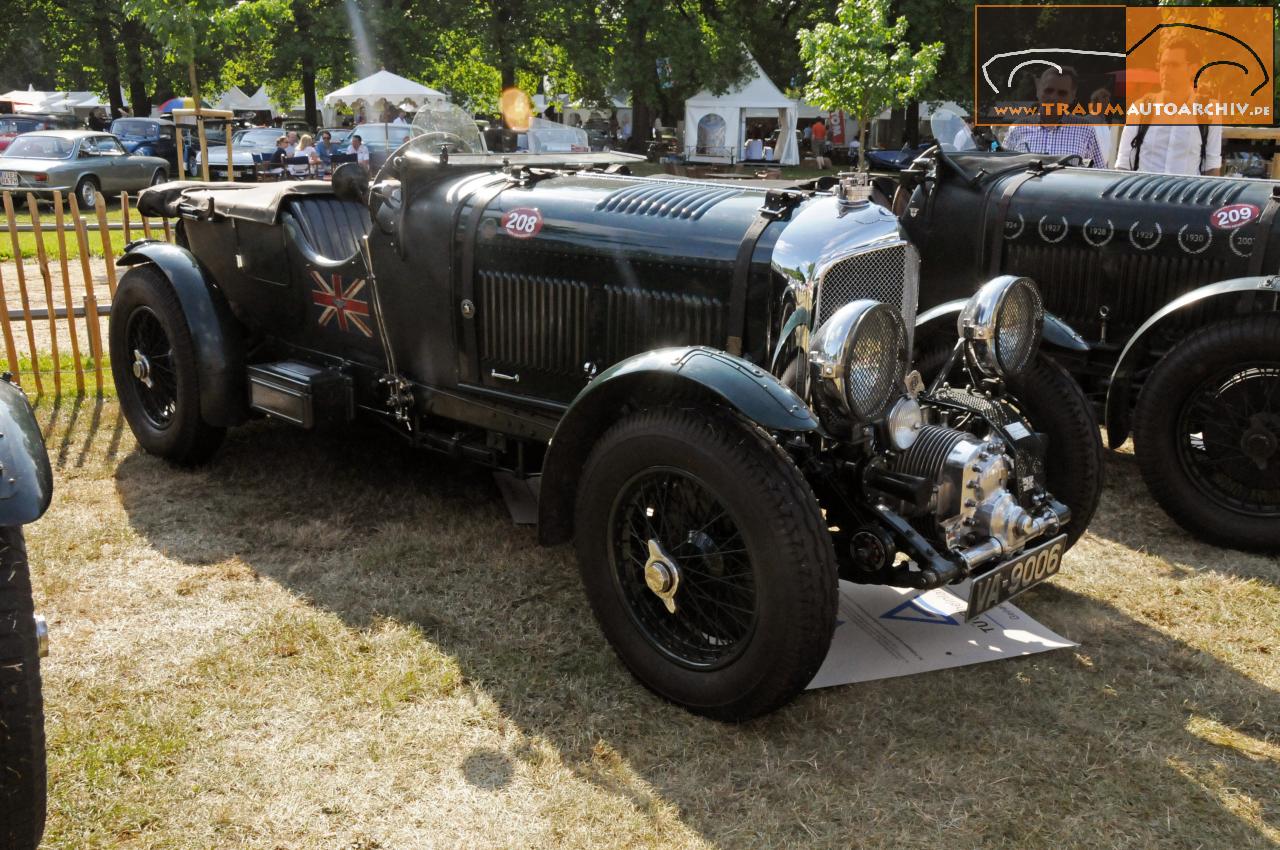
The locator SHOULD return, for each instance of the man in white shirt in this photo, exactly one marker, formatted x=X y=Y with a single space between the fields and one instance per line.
x=1173 y=149
x=361 y=152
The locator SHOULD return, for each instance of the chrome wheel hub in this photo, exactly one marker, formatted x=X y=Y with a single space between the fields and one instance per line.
x=662 y=576
x=141 y=368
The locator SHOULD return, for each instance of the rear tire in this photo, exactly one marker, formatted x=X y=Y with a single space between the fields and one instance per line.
x=1207 y=433
x=153 y=364
x=755 y=603
x=23 y=772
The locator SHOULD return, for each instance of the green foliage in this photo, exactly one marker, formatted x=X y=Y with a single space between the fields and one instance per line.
x=862 y=63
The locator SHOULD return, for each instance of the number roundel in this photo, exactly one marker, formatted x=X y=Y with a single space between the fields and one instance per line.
x=522 y=222
x=1234 y=215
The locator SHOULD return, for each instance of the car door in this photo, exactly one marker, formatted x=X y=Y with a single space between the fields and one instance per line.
x=112 y=164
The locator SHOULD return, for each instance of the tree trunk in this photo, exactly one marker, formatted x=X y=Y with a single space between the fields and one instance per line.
x=110 y=63
x=896 y=127
x=645 y=88
x=131 y=36
x=863 y=123
x=913 y=123
x=302 y=24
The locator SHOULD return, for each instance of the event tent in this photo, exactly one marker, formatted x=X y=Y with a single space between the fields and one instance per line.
x=378 y=91
x=234 y=100
x=715 y=125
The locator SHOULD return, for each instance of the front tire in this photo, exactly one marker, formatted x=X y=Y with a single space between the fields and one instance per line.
x=22 y=743
x=159 y=177
x=87 y=192
x=153 y=364
x=702 y=512
x=1207 y=433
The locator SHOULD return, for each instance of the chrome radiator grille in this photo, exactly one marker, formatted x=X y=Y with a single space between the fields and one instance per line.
x=889 y=273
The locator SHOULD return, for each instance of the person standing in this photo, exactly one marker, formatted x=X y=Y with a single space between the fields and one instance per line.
x=818 y=137
x=1173 y=149
x=1056 y=90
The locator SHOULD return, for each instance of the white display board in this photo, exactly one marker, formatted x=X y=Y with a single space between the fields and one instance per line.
x=883 y=632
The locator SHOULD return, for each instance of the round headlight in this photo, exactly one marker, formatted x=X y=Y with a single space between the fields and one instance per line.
x=1002 y=321
x=859 y=357
x=904 y=422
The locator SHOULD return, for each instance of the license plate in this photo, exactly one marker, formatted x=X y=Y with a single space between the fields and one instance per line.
x=8 y=178
x=1011 y=578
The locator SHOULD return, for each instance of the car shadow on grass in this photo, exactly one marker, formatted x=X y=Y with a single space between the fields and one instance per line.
x=1136 y=739
x=1143 y=526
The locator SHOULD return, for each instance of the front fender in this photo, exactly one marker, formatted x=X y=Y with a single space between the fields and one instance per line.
x=26 y=481
x=215 y=334
x=1057 y=333
x=695 y=374
x=1120 y=390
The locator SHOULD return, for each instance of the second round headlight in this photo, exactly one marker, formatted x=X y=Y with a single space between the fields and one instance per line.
x=1003 y=321
x=860 y=357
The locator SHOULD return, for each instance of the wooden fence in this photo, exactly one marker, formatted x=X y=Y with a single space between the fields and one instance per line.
x=58 y=312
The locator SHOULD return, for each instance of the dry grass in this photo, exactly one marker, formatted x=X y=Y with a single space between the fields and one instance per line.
x=330 y=642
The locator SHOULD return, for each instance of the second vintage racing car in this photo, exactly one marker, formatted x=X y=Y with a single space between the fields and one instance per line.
x=713 y=382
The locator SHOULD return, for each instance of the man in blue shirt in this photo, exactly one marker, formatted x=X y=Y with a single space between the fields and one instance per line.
x=325 y=149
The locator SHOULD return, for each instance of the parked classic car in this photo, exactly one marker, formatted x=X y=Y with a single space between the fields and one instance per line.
x=244 y=144
x=712 y=381
x=149 y=137
x=79 y=161
x=24 y=497
x=1162 y=295
x=12 y=126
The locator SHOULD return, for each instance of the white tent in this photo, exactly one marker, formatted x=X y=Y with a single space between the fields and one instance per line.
x=378 y=91
x=715 y=125
x=234 y=99
x=259 y=101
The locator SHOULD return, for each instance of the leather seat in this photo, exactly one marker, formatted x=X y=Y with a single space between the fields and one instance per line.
x=325 y=229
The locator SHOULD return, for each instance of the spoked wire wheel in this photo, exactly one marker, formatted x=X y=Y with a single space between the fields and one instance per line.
x=682 y=566
x=1206 y=432
x=706 y=559
x=152 y=367
x=1229 y=438
x=156 y=373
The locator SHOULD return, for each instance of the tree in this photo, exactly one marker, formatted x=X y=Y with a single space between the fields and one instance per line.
x=664 y=51
x=862 y=64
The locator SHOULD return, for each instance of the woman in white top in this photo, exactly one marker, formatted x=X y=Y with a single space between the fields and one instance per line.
x=305 y=148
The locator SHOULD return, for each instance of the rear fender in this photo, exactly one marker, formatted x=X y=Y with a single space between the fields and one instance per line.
x=1241 y=290
x=694 y=375
x=1056 y=334
x=217 y=337
x=26 y=481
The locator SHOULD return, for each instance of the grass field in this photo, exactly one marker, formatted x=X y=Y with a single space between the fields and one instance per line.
x=331 y=642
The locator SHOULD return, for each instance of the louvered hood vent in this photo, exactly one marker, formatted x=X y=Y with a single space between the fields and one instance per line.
x=1176 y=189
x=665 y=200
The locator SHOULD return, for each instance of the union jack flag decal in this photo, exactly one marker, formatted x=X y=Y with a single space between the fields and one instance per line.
x=340 y=303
